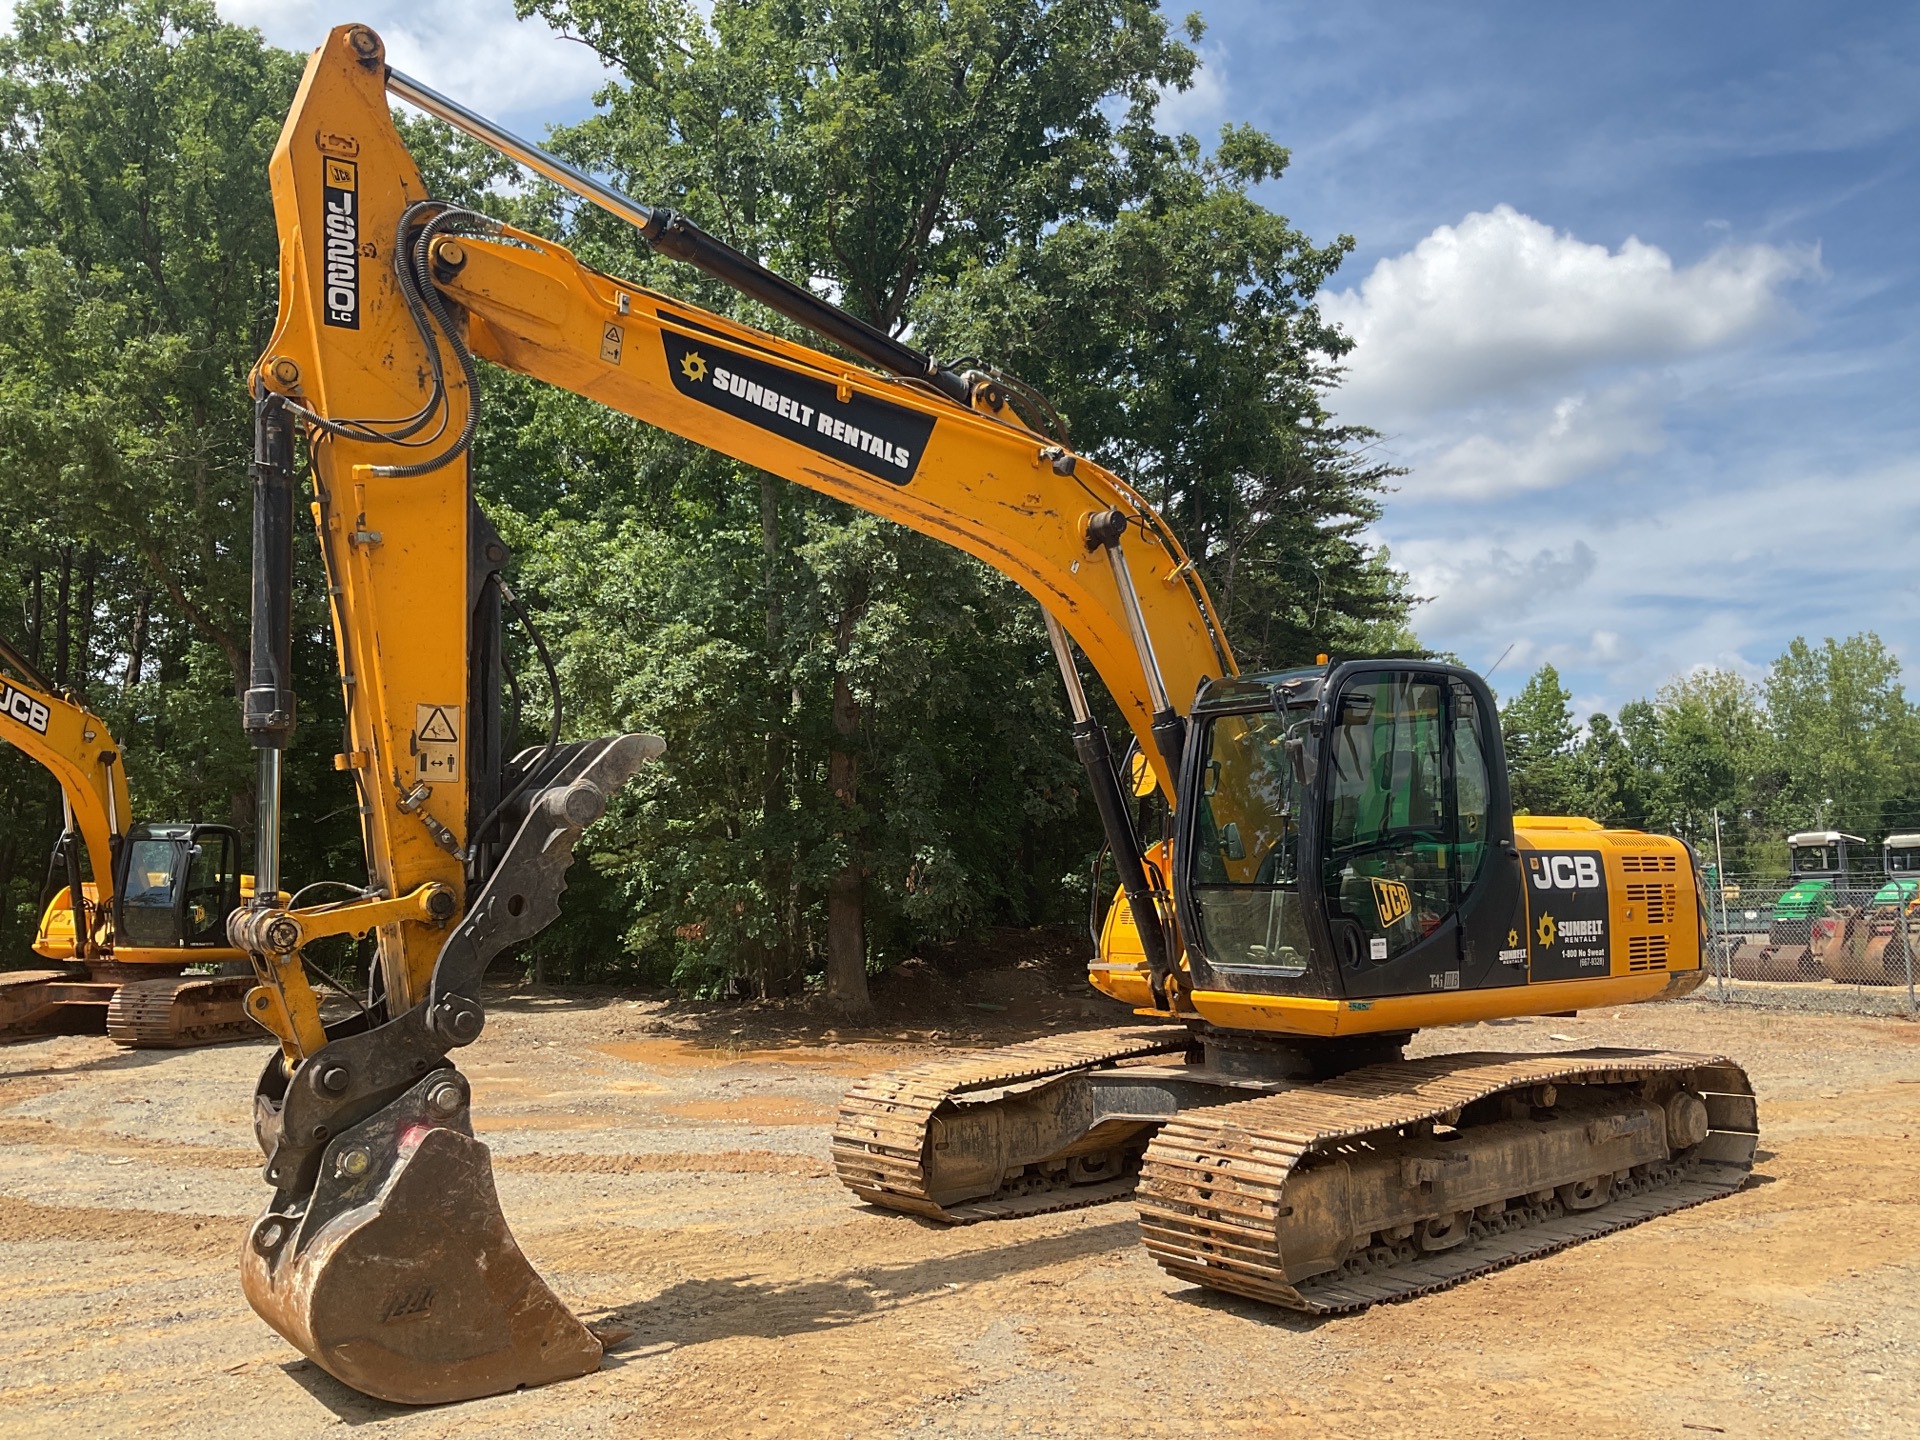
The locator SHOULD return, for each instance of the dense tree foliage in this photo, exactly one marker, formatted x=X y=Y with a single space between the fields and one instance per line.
x=867 y=745
x=1828 y=739
x=137 y=273
x=989 y=178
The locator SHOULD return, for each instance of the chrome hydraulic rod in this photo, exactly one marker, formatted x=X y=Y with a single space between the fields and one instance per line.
x=1110 y=800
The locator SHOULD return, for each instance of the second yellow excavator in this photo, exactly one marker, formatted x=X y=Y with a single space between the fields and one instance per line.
x=1342 y=868
x=157 y=902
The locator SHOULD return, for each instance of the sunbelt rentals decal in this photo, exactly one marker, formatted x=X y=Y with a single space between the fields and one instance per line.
x=340 y=197
x=862 y=431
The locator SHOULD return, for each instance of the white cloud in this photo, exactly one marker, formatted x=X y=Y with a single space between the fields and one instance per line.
x=1536 y=449
x=1710 y=575
x=474 y=51
x=1200 y=108
x=1502 y=302
x=1476 y=590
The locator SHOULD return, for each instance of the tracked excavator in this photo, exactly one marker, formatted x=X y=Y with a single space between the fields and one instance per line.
x=156 y=904
x=1342 y=867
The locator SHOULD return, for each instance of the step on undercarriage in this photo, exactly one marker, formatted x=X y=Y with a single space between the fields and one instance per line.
x=1385 y=1181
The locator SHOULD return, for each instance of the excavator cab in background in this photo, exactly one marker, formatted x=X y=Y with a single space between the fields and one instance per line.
x=1342 y=866
x=178 y=884
x=149 y=902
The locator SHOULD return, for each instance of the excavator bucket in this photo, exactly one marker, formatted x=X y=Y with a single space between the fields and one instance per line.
x=400 y=1276
x=1772 y=962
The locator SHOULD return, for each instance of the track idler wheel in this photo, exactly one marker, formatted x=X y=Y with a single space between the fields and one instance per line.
x=398 y=1275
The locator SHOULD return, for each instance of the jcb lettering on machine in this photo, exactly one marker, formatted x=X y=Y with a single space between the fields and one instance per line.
x=1564 y=872
x=22 y=707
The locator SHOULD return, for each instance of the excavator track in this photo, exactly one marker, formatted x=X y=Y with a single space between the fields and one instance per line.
x=39 y=1002
x=178 y=1011
x=1226 y=1192
x=883 y=1141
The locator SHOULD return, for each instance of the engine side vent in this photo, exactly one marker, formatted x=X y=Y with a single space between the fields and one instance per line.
x=1658 y=901
x=1646 y=952
x=1665 y=863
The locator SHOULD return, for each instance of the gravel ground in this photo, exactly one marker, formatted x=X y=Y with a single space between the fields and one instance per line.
x=665 y=1166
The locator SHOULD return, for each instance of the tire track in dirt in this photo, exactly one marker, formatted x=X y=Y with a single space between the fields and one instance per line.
x=47 y=1134
x=164 y=1231
x=735 y=1162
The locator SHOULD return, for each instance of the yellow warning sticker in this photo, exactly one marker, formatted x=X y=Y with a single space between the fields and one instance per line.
x=436 y=743
x=612 y=338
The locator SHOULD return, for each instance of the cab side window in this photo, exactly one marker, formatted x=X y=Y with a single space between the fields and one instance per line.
x=1388 y=852
x=210 y=879
x=1469 y=785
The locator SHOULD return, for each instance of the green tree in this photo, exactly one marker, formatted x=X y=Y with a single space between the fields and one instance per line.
x=1710 y=753
x=1610 y=783
x=137 y=283
x=1538 y=731
x=1843 y=731
x=950 y=170
x=1180 y=342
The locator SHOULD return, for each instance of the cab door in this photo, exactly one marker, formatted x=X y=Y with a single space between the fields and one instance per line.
x=1417 y=876
x=212 y=890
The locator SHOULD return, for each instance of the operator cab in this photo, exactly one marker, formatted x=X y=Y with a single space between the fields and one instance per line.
x=1900 y=856
x=1347 y=832
x=1820 y=854
x=177 y=885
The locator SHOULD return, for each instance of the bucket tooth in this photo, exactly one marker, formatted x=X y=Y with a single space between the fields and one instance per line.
x=398 y=1274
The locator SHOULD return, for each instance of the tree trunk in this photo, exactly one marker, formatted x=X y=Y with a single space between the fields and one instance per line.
x=37 y=617
x=137 y=641
x=846 y=891
x=775 y=963
x=62 y=630
x=83 y=636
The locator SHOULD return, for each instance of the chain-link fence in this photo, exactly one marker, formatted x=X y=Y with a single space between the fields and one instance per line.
x=1836 y=945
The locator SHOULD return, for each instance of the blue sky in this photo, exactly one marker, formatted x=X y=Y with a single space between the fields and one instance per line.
x=1636 y=292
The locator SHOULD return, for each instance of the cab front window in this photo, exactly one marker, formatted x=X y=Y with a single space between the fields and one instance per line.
x=1815 y=859
x=147 y=907
x=1245 y=859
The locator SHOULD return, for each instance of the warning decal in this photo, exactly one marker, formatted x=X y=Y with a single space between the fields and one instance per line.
x=436 y=743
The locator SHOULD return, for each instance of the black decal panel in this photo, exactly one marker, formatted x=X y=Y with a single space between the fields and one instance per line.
x=340 y=244
x=1567 y=920
x=870 y=435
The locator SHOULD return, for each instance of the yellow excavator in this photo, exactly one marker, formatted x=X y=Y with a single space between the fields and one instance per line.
x=1342 y=867
x=157 y=902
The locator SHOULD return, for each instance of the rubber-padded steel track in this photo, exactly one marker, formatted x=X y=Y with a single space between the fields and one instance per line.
x=1212 y=1185
x=181 y=1010
x=880 y=1143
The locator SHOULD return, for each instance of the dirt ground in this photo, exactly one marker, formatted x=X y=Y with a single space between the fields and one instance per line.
x=664 y=1165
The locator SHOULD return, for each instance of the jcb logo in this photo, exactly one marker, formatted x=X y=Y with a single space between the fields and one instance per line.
x=1565 y=872
x=24 y=708
x=1392 y=899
